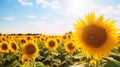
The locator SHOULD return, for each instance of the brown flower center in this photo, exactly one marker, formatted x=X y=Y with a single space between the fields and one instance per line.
x=42 y=39
x=38 y=37
x=28 y=38
x=70 y=46
x=3 y=39
x=14 y=46
x=23 y=41
x=30 y=49
x=51 y=43
x=4 y=46
x=58 y=40
x=64 y=37
x=69 y=36
x=94 y=36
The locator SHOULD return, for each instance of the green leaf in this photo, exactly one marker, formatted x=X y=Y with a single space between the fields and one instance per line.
x=48 y=58
x=24 y=65
x=111 y=63
x=39 y=64
x=81 y=65
x=55 y=53
x=15 y=64
x=1 y=65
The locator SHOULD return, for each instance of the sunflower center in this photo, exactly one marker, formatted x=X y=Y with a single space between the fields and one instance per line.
x=3 y=39
x=58 y=40
x=30 y=49
x=14 y=46
x=94 y=36
x=28 y=38
x=64 y=37
x=4 y=46
x=70 y=46
x=42 y=39
x=38 y=37
x=69 y=36
x=23 y=41
x=51 y=43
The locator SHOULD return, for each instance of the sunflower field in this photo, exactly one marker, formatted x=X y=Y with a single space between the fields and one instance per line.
x=94 y=43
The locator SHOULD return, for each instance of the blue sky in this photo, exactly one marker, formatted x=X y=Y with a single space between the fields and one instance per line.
x=51 y=16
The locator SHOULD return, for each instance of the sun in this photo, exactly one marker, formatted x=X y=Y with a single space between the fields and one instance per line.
x=76 y=7
x=96 y=37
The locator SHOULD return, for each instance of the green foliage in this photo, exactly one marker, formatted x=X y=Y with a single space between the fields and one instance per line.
x=112 y=63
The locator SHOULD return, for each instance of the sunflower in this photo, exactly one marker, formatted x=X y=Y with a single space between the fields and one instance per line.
x=42 y=39
x=23 y=40
x=93 y=62
x=4 y=47
x=3 y=38
x=51 y=44
x=24 y=59
x=13 y=46
x=69 y=36
x=28 y=37
x=30 y=50
x=38 y=37
x=58 y=40
x=0 y=39
x=69 y=46
x=97 y=37
x=119 y=38
x=64 y=37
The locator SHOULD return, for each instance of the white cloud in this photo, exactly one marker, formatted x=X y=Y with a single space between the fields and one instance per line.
x=118 y=5
x=111 y=10
x=31 y=17
x=25 y=3
x=39 y=1
x=45 y=17
x=8 y=18
x=45 y=4
x=54 y=4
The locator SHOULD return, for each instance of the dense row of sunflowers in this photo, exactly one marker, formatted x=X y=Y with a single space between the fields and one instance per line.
x=95 y=43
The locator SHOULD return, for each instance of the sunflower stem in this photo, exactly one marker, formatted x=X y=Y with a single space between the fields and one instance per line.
x=2 y=59
x=71 y=55
x=33 y=63
x=52 y=57
x=20 y=56
x=97 y=63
